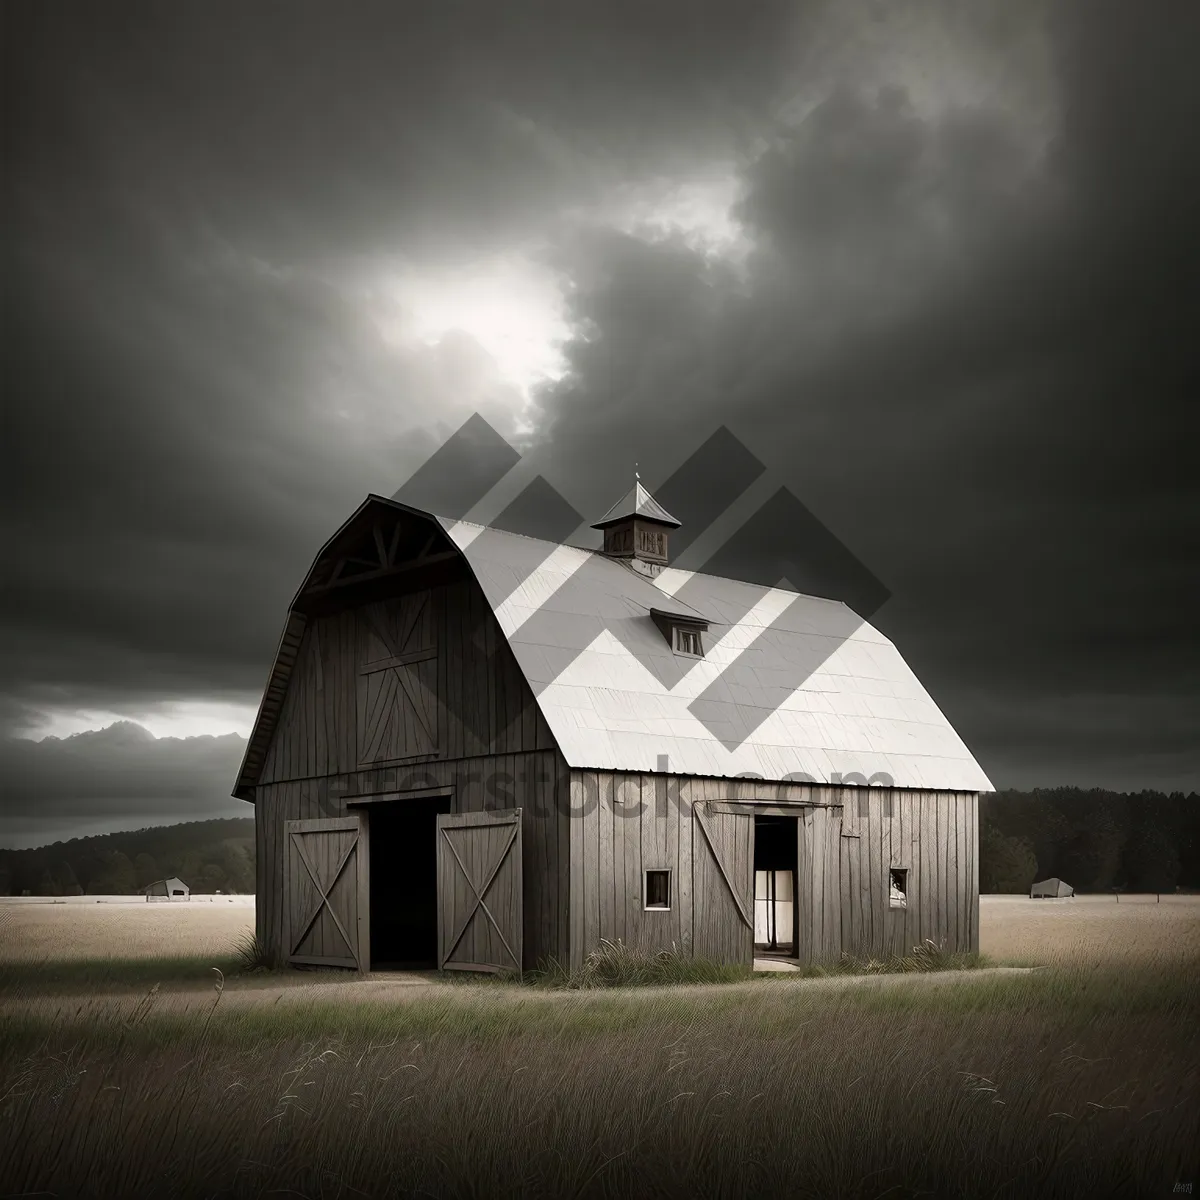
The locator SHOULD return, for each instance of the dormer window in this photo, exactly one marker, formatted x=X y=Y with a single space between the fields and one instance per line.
x=684 y=632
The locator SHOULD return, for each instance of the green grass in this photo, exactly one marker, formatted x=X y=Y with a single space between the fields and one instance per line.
x=638 y=1075
x=1074 y=1081
x=114 y=974
x=614 y=964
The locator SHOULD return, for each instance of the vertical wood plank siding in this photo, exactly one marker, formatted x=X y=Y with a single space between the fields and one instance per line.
x=492 y=745
x=625 y=823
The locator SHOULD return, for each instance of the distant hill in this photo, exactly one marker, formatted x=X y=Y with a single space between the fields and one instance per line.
x=209 y=856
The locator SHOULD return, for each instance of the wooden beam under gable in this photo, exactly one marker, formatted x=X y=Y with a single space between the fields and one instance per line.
x=382 y=572
x=384 y=557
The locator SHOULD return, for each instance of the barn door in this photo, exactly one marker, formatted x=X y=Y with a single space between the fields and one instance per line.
x=479 y=890
x=723 y=885
x=397 y=681
x=325 y=893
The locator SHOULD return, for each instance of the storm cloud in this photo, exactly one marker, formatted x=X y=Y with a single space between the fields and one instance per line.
x=947 y=293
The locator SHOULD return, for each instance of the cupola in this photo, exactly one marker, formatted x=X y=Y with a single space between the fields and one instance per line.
x=636 y=530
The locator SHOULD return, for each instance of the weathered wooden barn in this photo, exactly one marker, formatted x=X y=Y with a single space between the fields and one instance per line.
x=480 y=750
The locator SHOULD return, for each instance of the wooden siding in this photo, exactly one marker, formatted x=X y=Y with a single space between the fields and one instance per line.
x=491 y=744
x=818 y=912
x=624 y=823
x=322 y=893
x=535 y=782
x=935 y=836
x=472 y=696
x=722 y=885
x=479 y=891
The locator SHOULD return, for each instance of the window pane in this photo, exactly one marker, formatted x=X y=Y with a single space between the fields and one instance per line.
x=658 y=889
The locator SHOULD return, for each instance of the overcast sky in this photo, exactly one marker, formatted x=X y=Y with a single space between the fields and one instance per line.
x=935 y=264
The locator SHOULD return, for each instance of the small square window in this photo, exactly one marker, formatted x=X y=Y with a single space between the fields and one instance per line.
x=658 y=889
x=899 y=887
x=687 y=641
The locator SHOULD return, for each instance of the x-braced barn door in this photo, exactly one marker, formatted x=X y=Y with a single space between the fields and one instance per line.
x=723 y=885
x=325 y=893
x=479 y=890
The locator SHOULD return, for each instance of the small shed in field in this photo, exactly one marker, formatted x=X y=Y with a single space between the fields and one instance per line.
x=1052 y=888
x=478 y=750
x=167 y=889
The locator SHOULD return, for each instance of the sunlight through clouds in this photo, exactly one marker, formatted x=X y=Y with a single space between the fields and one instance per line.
x=183 y=719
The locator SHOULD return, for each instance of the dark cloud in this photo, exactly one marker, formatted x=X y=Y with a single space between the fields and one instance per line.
x=198 y=202
x=972 y=355
x=121 y=777
x=962 y=334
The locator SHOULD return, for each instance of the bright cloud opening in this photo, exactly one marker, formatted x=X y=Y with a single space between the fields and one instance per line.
x=508 y=305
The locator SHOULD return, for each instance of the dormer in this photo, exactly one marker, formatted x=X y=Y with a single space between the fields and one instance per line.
x=636 y=529
x=684 y=633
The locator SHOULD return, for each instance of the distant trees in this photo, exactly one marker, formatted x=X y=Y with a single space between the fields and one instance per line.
x=1006 y=864
x=145 y=870
x=64 y=878
x=208 y=855
x=116 y=876
x=1152 y=860
x=237 y=860
x=1094 y=839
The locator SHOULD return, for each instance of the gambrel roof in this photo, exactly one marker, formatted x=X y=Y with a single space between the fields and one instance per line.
x=787 y=684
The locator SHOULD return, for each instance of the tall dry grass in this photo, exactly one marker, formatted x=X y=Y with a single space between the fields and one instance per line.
x=79 y=930
x=1065 y=1083
x=1079 y=1080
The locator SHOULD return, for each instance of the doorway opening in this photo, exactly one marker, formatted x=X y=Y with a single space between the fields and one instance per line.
x=403 y=875
x=775 y=854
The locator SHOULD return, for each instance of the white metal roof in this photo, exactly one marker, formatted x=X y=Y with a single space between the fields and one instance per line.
x=788 y=684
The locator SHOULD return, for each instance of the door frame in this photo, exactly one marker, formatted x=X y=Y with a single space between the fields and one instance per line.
x=360 y=807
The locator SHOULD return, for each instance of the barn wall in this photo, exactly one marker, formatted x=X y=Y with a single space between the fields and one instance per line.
x=624 y=823
x=482 y=704
x=489 y=742
x=533 y=782
x=935 y=835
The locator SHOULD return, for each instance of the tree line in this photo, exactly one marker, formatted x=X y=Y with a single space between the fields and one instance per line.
x=209 y=856
x=1094 y=840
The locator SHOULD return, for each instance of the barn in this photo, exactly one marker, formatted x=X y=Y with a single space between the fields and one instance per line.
x=1053 y=888
x=479 y=750
x=167 y=889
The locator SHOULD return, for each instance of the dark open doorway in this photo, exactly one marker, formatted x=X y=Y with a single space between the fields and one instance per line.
x=775 y=885
x=403 y=873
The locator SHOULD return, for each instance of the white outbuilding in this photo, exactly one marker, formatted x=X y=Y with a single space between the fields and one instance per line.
x=168 y=889
x=1053 y=888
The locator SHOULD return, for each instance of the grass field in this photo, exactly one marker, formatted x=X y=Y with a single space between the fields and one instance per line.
x=1079 y=1080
